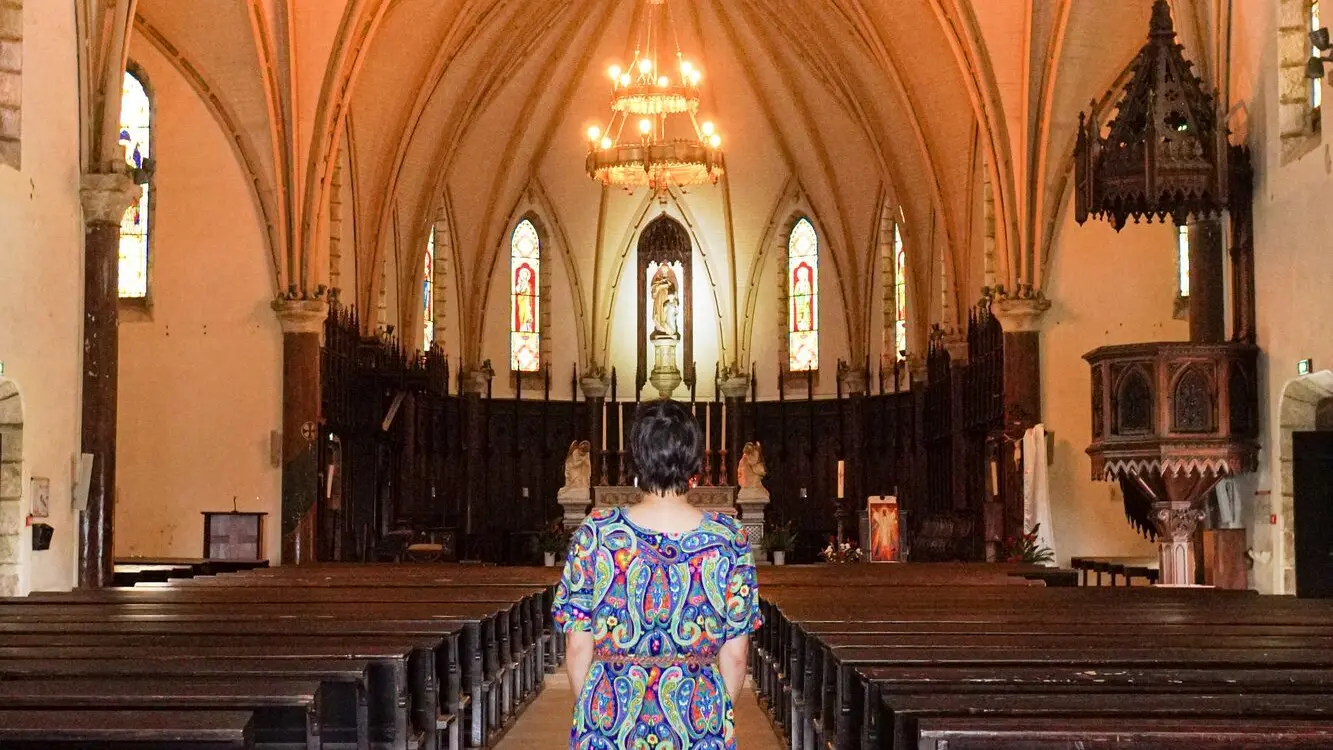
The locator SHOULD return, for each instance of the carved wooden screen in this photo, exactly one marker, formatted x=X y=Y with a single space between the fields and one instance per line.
x=665 y=256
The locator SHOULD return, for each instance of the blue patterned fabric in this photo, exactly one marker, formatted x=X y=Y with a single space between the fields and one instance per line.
x=660 y=606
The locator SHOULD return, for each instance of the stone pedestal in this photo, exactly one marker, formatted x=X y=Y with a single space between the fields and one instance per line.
x=1176 y=523
x=665 y=377
x=751 y=502
x=105 y=199
x=575 y=503
x=719 y=499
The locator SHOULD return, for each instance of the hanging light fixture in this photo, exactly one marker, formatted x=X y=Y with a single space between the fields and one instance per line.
x=654 y=138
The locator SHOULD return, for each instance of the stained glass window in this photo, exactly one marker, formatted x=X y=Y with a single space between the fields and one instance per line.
x=1183 y=260
x=900 y=291
x=525 y=277
x=1316 y=84
x=136 y=129
x=803 y=297
x=428 y=295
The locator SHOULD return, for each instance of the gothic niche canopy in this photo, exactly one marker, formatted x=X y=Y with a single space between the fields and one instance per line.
x=1165 y=153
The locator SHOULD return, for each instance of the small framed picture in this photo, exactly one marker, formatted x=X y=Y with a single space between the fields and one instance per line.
x=41 y=497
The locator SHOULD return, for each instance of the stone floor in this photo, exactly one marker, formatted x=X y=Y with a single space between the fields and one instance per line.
x=545 y=723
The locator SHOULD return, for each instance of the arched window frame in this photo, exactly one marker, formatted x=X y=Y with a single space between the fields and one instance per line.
x=525 y=346
x=136 y=245
x=803 y=345
x=901 y=310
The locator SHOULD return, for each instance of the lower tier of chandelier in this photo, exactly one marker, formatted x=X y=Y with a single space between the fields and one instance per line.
x=656 y=165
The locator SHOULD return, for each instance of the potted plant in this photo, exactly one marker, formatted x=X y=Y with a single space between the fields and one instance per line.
x=554 y=540
x=779 y=540
x=1026 y=549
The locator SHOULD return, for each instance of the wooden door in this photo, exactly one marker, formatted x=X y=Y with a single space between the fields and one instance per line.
x=1313 y=474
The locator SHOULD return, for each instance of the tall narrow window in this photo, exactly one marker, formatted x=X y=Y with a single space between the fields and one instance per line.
x=1316 y=84
x=525 y=276
x=136 y=131
x=428 y=295
x=1183 y=261
x=900 y=291
x=803 y=296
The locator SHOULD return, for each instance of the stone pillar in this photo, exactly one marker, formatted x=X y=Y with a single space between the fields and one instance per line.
x=476 y=384
x=302 y=330
x=1176 y=523
x=594 y=387
x=1020 y=319
x=1207 y=319
x=751 y=502
x=105 y=199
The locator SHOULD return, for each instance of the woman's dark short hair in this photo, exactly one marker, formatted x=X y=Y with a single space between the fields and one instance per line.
x=667 y=446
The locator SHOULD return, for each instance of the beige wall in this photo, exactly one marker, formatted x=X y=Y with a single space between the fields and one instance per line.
x=41 y=293
x=200 y=383
x=1106 y=288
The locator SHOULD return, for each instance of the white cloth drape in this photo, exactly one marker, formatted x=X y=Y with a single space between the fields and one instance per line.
x=1037 y=487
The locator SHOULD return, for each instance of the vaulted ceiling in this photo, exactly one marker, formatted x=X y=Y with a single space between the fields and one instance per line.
x=468 y=106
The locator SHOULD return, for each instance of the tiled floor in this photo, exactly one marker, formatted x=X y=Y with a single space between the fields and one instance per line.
x=545 y=724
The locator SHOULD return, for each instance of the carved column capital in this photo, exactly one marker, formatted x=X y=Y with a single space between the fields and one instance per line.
x=107 y=196
x=594 y=385
x=301 y=315
x=1021 y=314
x=955 y=343
x=477 y=380
x=735 y=387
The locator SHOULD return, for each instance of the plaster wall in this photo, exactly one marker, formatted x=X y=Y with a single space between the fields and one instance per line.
x=41 y=299
x=1106 y=288
x=201 y=378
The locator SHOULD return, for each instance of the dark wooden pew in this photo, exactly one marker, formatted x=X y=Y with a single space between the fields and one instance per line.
x=1140 y=734
x=132 y=730
x=278 y=705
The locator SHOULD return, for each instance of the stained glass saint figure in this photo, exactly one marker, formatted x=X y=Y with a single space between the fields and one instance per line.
x=525 y=299
x=803 y=297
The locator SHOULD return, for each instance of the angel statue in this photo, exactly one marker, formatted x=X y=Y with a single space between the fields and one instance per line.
x=578 y=465
x=750 y=471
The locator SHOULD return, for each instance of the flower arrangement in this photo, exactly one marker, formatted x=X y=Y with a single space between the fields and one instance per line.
x=1026 y=549
x=847 y=552
x=780 y=538
x=554 y=539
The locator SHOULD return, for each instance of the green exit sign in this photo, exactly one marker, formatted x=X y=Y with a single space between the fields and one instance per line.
x=1305 y=367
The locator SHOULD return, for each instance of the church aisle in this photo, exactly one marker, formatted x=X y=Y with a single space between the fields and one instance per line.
x=545 y=724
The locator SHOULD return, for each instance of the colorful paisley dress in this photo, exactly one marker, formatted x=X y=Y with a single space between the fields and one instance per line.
x=659 y=607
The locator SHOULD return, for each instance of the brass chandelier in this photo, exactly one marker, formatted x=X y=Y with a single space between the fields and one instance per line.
x=654 y=138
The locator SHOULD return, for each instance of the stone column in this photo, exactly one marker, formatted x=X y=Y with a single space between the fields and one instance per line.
x=1020 y=319
x=476 y=384
x=1176 y=523
x=1207 y=320
x=594 y=386
x=751 y=502
x=302 y=330
x=105 y=199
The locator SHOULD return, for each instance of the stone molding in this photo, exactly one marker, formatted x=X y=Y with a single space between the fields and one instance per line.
x=593 y=387
x=735 y=387
x=298 y=316
x=477 y=380
x=1020 y=314
x=107 y=196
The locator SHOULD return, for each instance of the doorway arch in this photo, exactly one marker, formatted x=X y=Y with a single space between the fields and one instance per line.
x=1304 y=407
x=11 y=489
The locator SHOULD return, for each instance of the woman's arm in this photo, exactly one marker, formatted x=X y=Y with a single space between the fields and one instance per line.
x=733 y=661
x=578 y=658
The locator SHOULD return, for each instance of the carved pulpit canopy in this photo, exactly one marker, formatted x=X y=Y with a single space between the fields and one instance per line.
x=1165 y=153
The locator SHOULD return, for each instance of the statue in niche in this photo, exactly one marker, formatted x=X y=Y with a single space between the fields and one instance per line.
x=665 y=292
x=750 y=471
x=578 y=466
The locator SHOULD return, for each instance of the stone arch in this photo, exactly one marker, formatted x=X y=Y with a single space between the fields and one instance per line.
x=11 y=83
x=11 y=488
x=1297 y=412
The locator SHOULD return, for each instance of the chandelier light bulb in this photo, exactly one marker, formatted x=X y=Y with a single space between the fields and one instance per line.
x=645 y=66
x=594 y=133
x=664 y=82
x=607 y=144
x=615 y=72
x=708 y=128
x=624 y=79
x=715 y=141
x=685 y=68
x=645 y=126
x=694 y=77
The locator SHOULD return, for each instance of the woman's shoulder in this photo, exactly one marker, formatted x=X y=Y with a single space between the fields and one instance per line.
x=730 y=524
